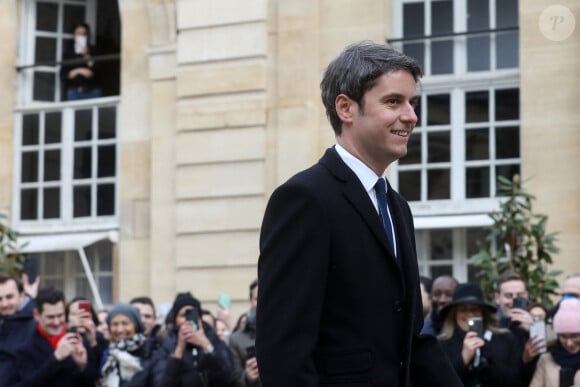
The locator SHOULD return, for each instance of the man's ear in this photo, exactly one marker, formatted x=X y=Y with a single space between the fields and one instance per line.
x=35 y=314
x=344 y=108
x=496 y=298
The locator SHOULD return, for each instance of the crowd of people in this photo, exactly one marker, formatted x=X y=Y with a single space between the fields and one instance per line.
x=46 y=341
x=510 y=342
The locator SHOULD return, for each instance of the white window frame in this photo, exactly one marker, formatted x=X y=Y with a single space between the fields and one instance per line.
x=456 y=85
x=66 y=222
x=27 y=46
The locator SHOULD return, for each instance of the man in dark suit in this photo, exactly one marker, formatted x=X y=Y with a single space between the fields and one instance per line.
x=339 y=300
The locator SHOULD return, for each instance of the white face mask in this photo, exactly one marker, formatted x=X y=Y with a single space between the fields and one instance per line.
x=80 y=43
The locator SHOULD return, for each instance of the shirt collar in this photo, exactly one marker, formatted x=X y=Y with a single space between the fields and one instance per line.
x=367 y=176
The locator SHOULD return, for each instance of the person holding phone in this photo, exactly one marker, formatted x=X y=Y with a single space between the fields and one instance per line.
x=79 y=70
x=482 y=353
x=53 y=355
x=560 y=365
x=192 y=354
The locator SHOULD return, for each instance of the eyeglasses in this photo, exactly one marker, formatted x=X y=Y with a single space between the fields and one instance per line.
x=568 y=296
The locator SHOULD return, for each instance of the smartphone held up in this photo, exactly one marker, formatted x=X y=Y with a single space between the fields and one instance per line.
x=192 y=317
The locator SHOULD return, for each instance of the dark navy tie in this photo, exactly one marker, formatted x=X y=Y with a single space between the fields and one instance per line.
x=381 y=190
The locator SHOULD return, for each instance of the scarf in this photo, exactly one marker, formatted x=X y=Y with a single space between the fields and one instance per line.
x=53 y=340
x=121 y=365
x=564 y=358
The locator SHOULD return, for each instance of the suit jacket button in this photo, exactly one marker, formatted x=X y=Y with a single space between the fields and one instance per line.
x=397 y=307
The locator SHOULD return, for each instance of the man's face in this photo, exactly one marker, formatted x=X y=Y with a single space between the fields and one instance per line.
x=442 y=292
x=507 y=292
x=147 y=316
x=10 y=298
x=51 y=319
x=377 y=132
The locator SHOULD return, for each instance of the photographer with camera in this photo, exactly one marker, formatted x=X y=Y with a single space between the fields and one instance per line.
x=192 y=355
x=482 y=353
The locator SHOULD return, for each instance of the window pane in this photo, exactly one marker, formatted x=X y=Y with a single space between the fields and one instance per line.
x=477 y=15
x=54 y=263
x=29 y=168
x=477 y=106
x=442 y=57
x=105 y=199
x=28 y=204
x=82 y=163
x=477 y=182
x=507 y=50
x=413 y=150
x=105 y=257
x=52 y=128
x=43 y=86
x=507 y=104
x=413 y=20
x=441 y=244
x=438 y=184
x=416 y=51
x=437 y=271
x=57 y=283
x=105 y=285
x=438 y=147
x=507 y=142
x=506 y=13
x=507 y=171
x=107 y=122
x=73 y=14
x=477 y=144
x=47 y=16
x=83 y=125
x=51 y=165
x=474 y=235
x=478 y=53
x=30 y=129
x=51 y=203
x=45 y=52
x=410 y=185
x=82 y=288
x=106 y=161
x=82 y=201
x=438 y=109
x=441 y=17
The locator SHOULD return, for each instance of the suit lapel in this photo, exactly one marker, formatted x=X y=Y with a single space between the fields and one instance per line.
x=357 y=197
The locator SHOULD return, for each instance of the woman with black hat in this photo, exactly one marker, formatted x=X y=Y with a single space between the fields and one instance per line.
x=192 y=355
x=482 y=353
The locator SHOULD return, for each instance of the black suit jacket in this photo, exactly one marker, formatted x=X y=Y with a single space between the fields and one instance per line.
x=335 y=307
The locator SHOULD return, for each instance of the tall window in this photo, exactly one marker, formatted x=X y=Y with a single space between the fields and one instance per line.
x=68 y=165
x=468 y=133
x=47 y=32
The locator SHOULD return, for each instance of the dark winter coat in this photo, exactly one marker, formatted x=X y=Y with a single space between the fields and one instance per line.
x=499 y=365
x=193 y=370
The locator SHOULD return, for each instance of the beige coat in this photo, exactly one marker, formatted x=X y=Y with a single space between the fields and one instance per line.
x=548 y=373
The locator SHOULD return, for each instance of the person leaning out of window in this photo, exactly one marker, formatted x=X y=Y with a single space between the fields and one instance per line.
x=79 y=70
